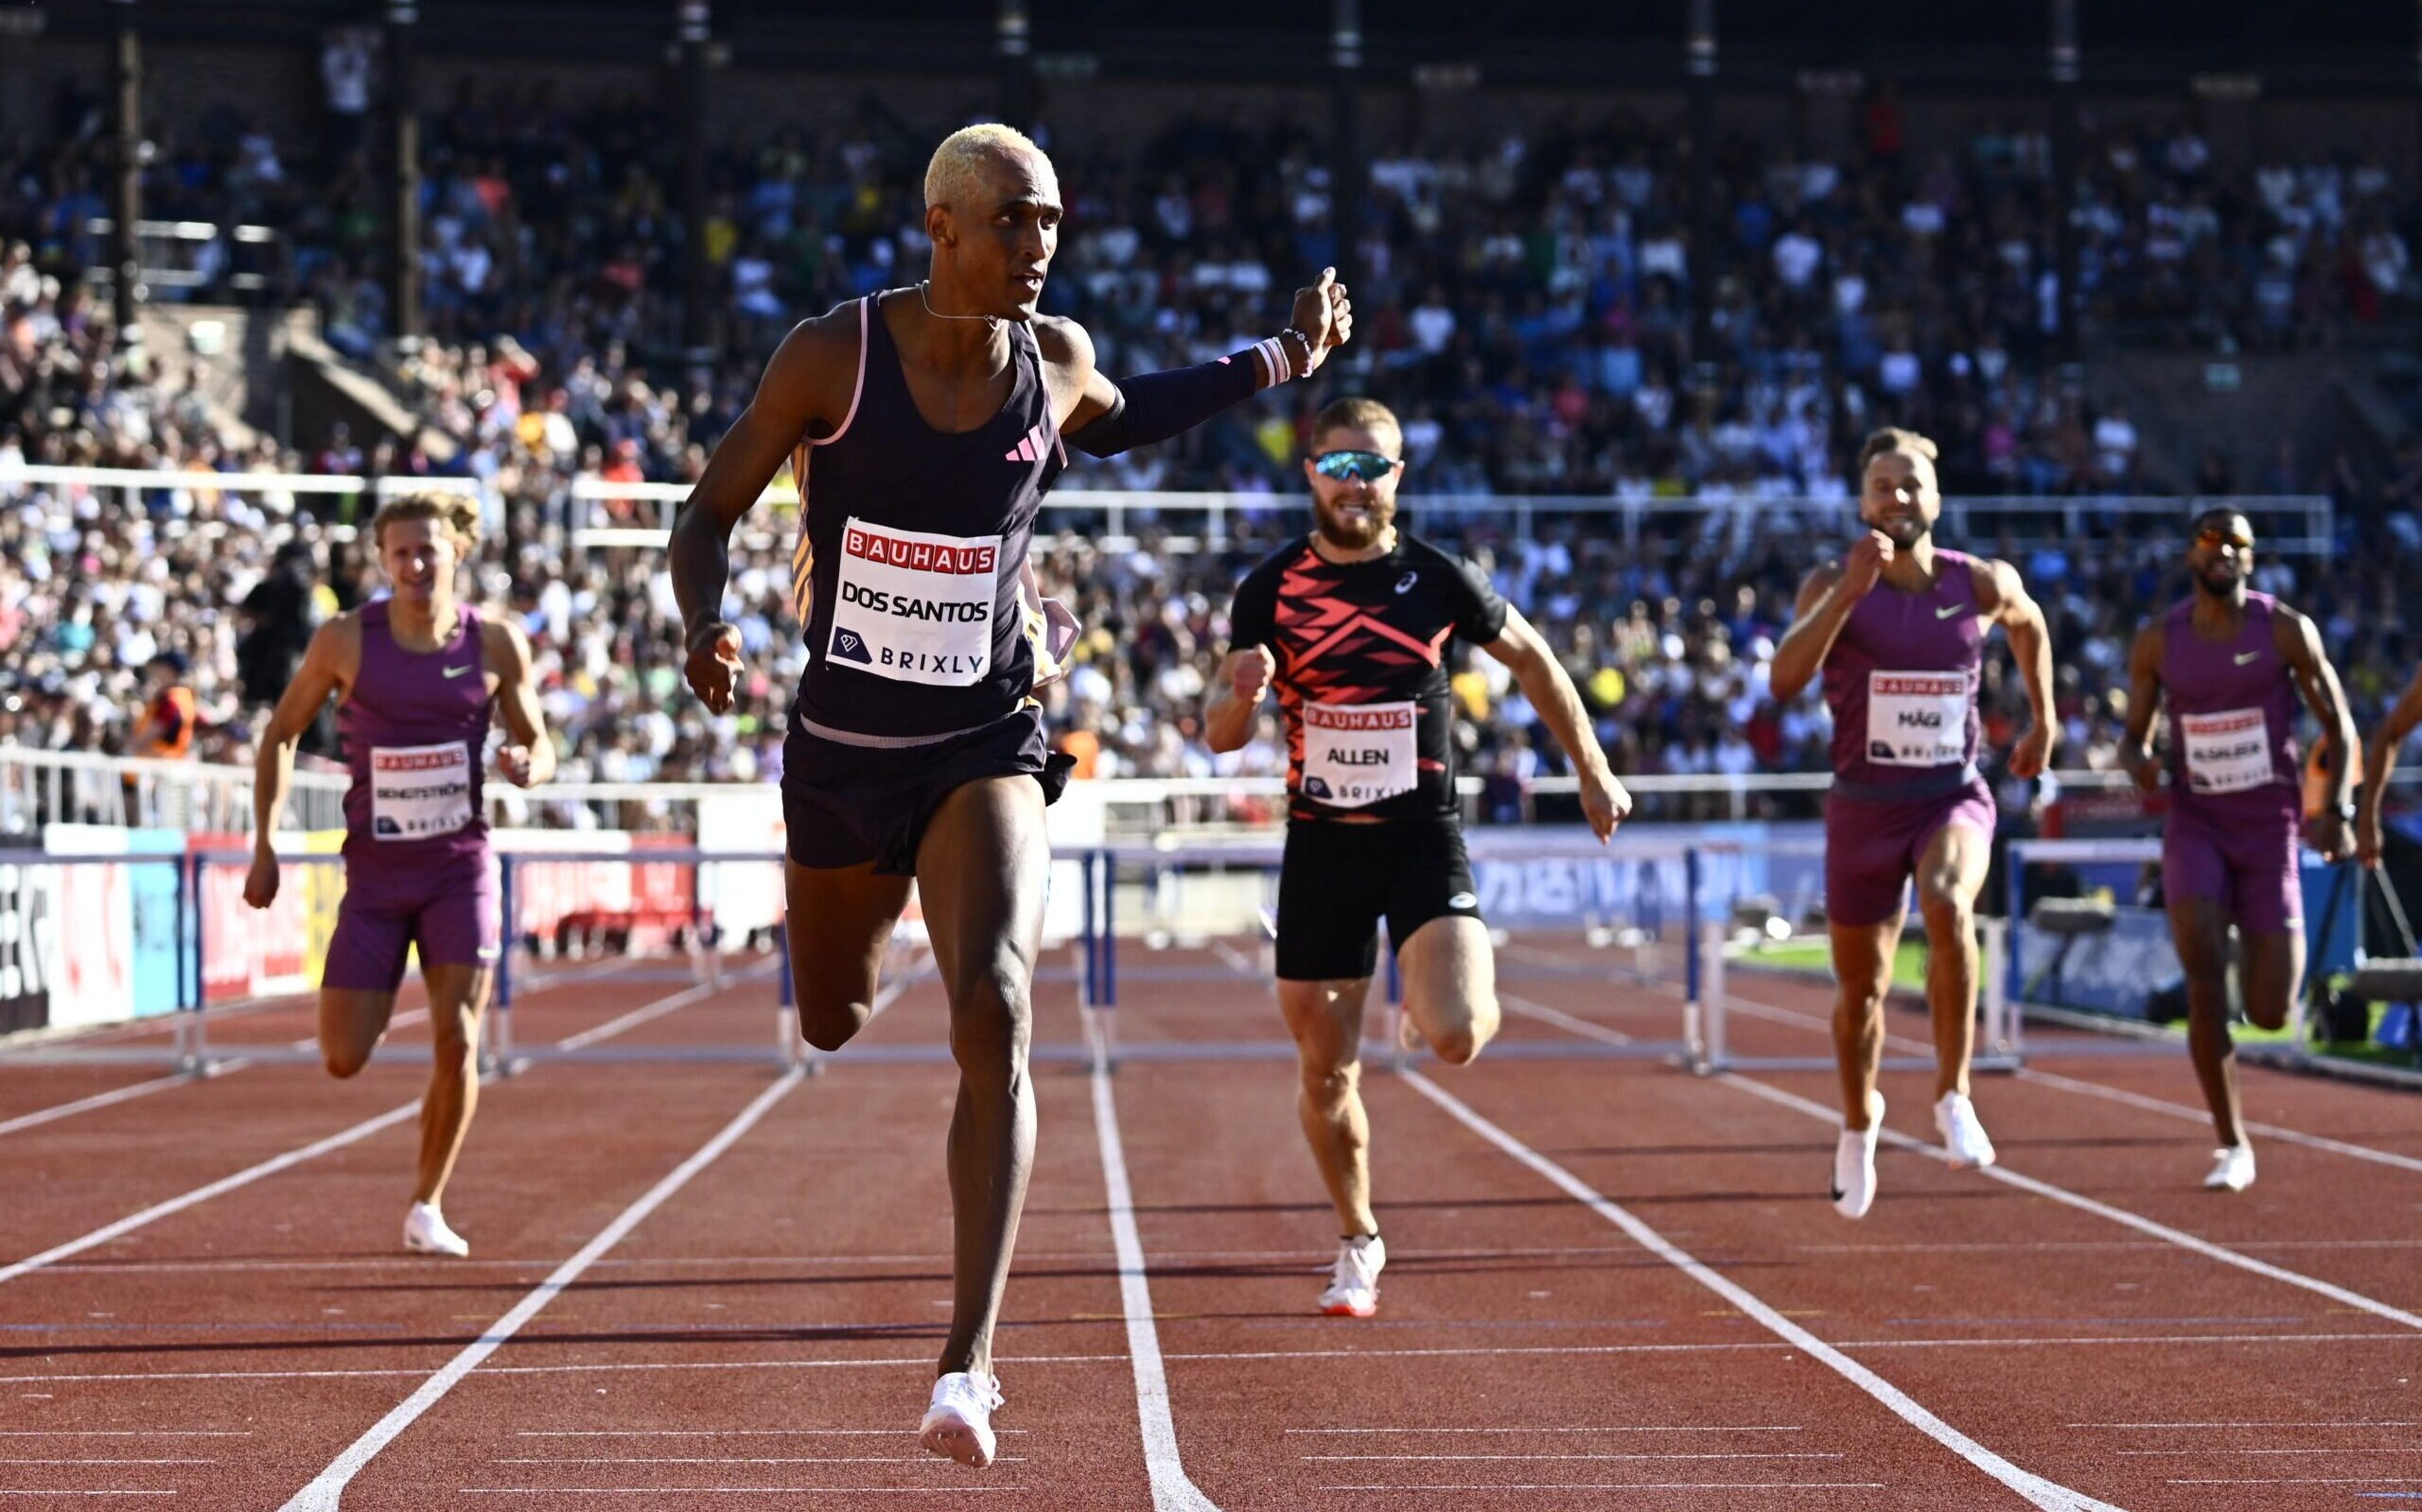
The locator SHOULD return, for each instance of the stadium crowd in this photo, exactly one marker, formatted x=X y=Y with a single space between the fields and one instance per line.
x=1528 y=307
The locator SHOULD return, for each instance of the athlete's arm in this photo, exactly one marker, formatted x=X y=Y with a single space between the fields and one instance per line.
x=2385 y=744
x=1248 y=668
x=1826 y=600
x=807 y=383
x=2300 y=646
x=329 y=664
x=1550 y=690
x=2002 y=595
x=530 y=758
x=2144 y=702
x=1112 y=417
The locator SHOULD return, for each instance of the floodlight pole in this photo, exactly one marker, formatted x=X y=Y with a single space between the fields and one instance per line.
x=1346 y=145
x=126 y=169
x=2069 y=307
x=403 y=175
x=1014 y=30
x=1699 y=61
x=697 y=282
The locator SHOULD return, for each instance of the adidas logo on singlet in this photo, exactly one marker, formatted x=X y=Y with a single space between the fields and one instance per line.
x=1029 y=448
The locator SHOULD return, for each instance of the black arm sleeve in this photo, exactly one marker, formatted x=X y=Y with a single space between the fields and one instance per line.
x=1253 y=619
x=1153 y=407
x=1481 y=617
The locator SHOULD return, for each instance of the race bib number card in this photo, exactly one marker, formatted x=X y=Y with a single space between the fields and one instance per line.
x=1357 y=755
x=2227 y=752
x=1917 y=719
x=915 y=607
x=418 y=791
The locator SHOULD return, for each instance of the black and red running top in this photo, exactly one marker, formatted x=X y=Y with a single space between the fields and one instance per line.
x=1360 y=648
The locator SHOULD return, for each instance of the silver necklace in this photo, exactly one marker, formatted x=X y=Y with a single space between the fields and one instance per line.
x=992 y=322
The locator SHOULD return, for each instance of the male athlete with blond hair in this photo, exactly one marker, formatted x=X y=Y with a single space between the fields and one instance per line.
x=923 y=426
x=418 y=674
x=1898 y=628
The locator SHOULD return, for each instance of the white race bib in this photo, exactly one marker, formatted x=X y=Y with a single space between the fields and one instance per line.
x=1917 y=719
x=2228 y=752
x=418 y=791
x=914 y=606
x=1357 y=755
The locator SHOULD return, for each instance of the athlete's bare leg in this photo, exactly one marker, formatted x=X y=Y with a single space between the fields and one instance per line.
x=838 y=920
x=458 y=994
x=1949 y=876
x=982 y=871
x=2200 y=931
x=1862 y=960
x=1325 y=1019
x=352 y=1020
x=2271 y=973
x=1450 y=972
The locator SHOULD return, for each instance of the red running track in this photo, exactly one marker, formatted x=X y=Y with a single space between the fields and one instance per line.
x=1612 y=1284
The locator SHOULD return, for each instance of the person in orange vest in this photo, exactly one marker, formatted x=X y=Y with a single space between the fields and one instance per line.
x=169 y=713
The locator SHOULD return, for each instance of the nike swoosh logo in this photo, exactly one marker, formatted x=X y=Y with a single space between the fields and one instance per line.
x=1950 y=609
x=2245 y=658
x=456 y=672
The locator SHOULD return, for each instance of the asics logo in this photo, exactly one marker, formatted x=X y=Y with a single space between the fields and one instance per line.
x=2246 y=658
x=1462 y=900
x=1404 y=583
x=456 y=672
x=1950 y=609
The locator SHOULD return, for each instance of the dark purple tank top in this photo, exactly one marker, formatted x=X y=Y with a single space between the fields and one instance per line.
x=1901 y=681
x=414 y=730
x=912 y=544
x=2232 y=707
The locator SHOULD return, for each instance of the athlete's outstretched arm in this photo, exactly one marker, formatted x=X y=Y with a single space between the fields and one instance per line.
x=1550 y=690
x=2385 y=744
x=528 y=760
x=1112 y=417
x=329 y=664
x=2005 y=601
x=796 y=394
x=2299 y=645
x=2144 y=702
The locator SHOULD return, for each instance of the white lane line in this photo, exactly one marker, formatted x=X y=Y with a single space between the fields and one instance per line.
x=1171 y=1491
x=1773 y=1014
x=98 y=1099
x=752 y=1460
x=654 y=1010
x=2146 y=1341
x=731 y=1433
x=1324 y=1459
x=1236 y=960
x=2035 y=1489
x=322 y=1494
x=2339 y=1423
x=733 y=1490
x=2103 y=1210
x=223 y=1184
x=1564 y=1021
x=1669 y=1428
x=1633 y=1485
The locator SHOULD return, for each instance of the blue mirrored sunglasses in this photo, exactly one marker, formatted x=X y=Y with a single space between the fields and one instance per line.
x=1370 y=466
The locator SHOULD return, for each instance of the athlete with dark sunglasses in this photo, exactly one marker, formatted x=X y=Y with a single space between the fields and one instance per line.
x=1351 y=625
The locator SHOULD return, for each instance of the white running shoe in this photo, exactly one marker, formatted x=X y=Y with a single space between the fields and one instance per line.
x=958 y=1424
x=1963 y=1135
x=1354 y=1284
x=1854 y=1162
x=2232 y=1168
x=425 y=1233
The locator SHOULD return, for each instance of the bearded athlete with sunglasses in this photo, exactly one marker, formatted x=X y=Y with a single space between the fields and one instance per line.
x=2229 y=663
x=1351 y=625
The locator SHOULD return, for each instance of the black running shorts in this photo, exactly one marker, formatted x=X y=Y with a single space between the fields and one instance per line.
x=1339 y=880
x=847 y=805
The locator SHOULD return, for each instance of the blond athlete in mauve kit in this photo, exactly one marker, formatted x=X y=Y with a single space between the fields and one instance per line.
x=418 y=674
x=923 y=426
